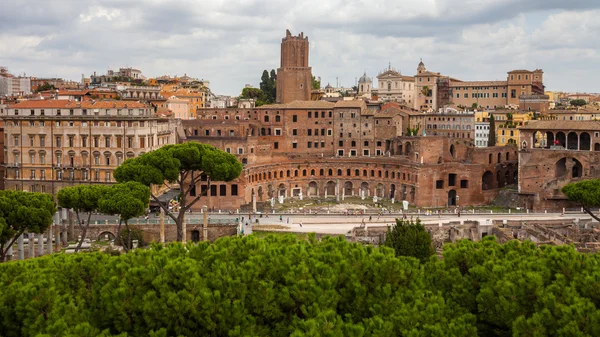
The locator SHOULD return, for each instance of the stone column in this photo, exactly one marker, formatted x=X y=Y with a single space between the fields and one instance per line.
x=31 y=245
x=254 y=202
x=162 y=226
x=49 y=241
x=337 y=190
x=21 y=248
x=205 y=225
x=9 y=254
x=70 y=216
x=57 y=238
x=40 y=244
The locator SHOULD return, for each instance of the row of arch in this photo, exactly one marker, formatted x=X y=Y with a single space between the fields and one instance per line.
x=141 y=94
x=507 y=176
x=332 y=189
x=571 y=141
x=386 y=174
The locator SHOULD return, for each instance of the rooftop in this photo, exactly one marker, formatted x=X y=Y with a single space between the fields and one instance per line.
x=562 y=125
x=68 y=104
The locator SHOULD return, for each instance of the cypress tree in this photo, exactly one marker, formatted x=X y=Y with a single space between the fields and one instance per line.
x=492 y=134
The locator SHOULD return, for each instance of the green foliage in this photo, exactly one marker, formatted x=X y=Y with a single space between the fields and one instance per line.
x=82 y=199
x=23 y=212
x=413 y=131
x=426 y=91
x=184 y=164
x=268 y=88
x=281 y=286
x=578 y=102
x=133 y=234
x=409 y=238
x=474 y=106
x=585 y=193
x=128 y=200
x=315 y=84
x=492 y=134
x=45 y=86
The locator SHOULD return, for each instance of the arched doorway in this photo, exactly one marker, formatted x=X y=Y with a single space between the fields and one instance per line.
x=392 y=191
x=270 y=191
x=330 y=189
x=348 y=188
x=585 y=142
x=499 y=179
x=577 y=169
x=380 y=191
x=561 y=138
x=312 y=189
x=195 y=236
x=560 y=168
x=549 y=139
x=487 y=181
x=452 y=198
x=260 y=193
x=364 y=189
x=408 y=149
x=452 y=151
x=572 y=141
x=281 y=190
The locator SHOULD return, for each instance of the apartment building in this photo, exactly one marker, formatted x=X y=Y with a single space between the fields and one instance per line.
x=50 y=144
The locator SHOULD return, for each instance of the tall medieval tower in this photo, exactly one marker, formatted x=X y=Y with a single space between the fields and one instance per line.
x=294 y=76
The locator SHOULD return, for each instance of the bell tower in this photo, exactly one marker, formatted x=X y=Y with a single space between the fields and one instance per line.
x=294 y=75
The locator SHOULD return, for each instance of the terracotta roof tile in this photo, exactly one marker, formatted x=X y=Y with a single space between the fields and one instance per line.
x=562 y=125
x=67 y=104
x=356 y=103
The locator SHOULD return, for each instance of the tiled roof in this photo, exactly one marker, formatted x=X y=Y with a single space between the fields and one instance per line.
x=300 y=105
x=72 y=92
x=67 y=104
x=478 y=83
x=356 y=103
x=562 y=125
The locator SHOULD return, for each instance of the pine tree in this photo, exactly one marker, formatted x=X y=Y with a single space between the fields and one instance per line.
x=409 y=238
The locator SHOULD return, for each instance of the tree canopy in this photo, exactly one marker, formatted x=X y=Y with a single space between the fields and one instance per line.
x=82 y=199
x=22 y=212
x=282 y=286
x=578 y=102
x=315 y=83
x=585 y=193
x=184 y=164
x=128 y=200
x=45 y=86
x=409 y=238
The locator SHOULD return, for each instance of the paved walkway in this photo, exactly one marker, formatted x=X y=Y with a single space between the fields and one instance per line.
x=340 y=224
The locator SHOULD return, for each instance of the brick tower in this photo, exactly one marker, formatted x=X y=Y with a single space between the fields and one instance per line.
x=294 y=76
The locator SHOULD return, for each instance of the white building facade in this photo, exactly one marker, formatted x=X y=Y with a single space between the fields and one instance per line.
x=482 y=133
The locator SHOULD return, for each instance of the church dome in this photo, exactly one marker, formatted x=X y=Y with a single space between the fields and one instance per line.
x=364 y=78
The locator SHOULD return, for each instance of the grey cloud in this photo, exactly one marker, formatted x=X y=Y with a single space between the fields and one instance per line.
x=230 y=42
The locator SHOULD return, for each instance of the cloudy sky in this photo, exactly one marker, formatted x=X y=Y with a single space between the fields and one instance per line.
x=230 y=42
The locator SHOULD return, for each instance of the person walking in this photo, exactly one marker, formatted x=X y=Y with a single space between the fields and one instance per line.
x=300 y=223
x=281 y=218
